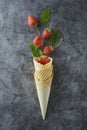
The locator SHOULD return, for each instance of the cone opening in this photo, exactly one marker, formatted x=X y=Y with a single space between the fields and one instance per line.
x=34 y=60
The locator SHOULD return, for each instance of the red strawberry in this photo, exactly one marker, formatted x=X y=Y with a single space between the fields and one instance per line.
x=38 y=41
x=46 y=60
x=48 y=49
x=40 y=60
x=32 y=21
x=43 y=60
x=46 y=34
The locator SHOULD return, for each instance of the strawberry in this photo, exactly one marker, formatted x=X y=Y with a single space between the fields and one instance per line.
x=32 y=21
x=46 y=60
x=46 y=34
x=40 y=60
x=43 y=60
x=38 y=41
x=48 y=49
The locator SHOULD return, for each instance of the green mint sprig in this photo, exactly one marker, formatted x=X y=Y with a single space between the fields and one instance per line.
x=55 y=37
x=45 y=16
x=35 y=50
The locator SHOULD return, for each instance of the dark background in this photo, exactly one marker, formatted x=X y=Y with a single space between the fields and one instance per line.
x=19 y=106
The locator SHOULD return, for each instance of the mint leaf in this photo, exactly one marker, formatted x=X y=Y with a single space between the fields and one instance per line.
x=55 y=37
x=45 y=16
x=32 y=49
x=35 y=50
x=39 y=52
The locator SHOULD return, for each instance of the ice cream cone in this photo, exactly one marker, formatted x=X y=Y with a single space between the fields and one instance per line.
x=43 y=90
x=43 y=78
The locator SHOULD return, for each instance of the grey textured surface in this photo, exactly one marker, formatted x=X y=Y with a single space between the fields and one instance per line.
x=19 y=106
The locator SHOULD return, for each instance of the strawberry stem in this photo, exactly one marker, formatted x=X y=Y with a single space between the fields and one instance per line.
x=60 y=42
x=37 y=30
x=50 y=26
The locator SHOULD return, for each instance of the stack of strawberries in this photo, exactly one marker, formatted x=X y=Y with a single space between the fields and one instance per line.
x=52 y=37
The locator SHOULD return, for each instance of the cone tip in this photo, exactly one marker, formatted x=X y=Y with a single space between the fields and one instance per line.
x=43 y=117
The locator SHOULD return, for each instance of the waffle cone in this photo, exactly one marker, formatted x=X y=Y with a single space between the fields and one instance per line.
x=45 y=73
x=43 y=90
x=39 y=66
